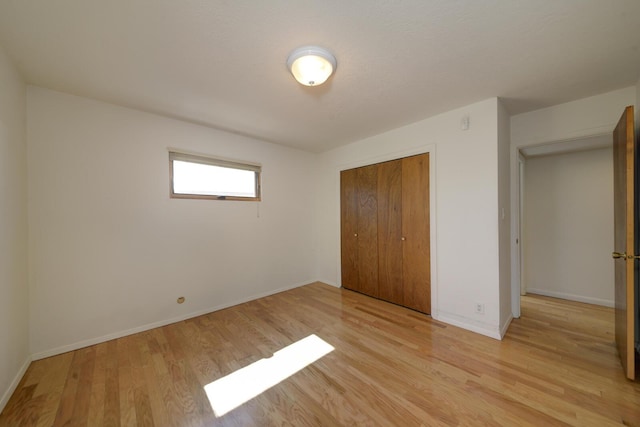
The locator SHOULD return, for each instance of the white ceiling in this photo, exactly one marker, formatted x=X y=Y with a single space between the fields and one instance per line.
x=222 y=62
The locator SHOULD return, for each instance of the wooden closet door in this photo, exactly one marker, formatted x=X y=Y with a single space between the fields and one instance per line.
x=416 y=267
x=349 y=228
x=390 y=231
x=367 y=178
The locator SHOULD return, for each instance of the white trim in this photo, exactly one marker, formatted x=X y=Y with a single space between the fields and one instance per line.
x=482 y=328
x=393 y=155
x=520 y=219
x=505 y=327
x=180 y=151
x=576 y=135
x=328 y=282
x=120 y=334
x=213 y=161
x=572 y=297
x=14 y=384
x=516 y=231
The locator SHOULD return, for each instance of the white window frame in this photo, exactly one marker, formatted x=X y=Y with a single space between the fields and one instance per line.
x=213 y=161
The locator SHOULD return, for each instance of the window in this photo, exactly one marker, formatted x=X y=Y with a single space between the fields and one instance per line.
x=202 y=177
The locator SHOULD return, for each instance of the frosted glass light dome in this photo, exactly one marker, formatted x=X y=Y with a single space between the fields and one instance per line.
x=311 y=65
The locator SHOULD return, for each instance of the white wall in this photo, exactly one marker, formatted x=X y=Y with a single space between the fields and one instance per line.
x=504 y=221
x=111 y=252
x=465 y=248
x=568 y=226
x=14 y=309
x=595 y=115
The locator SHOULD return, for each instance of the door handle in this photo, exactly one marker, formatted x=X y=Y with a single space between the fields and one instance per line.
x=624 y=255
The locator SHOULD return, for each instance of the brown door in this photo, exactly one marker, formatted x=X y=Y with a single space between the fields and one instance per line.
x=416 y=266
x=624 y=152
x=349 y=228
x=390 y=231
x=359 y=229
x=367 y=237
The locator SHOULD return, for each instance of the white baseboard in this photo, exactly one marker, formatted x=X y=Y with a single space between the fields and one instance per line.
x=329 y=282
x=468 y=324
x=572 y=297
x=120 y=334
x=14 y=384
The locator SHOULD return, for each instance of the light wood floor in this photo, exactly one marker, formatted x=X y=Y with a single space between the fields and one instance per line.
x=391 y=367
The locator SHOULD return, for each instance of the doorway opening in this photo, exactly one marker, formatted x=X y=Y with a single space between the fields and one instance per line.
x=563 y=221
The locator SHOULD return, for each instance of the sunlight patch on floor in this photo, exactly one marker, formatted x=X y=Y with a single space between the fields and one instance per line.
x=227 y=393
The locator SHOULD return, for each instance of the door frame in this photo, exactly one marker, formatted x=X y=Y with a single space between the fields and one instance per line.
x=518 y=237
x=394 y=155
x=517 y=186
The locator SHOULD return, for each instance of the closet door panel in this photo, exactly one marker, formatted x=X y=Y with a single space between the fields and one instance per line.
x=349 y=228
x=367 y=178
x=390 y=231
x=415 y=230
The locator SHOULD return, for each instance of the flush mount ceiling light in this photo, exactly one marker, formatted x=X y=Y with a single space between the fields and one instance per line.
x=311 y=65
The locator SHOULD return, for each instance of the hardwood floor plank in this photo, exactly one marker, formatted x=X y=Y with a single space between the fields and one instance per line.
x=156 y=401
x=390 y=366
x=144 y=411
x=83 y=393
x=55 y=373
x=126 y=386
x=67 y=400
x=27 y=407
x=46 y=413
x=111 y=417
x=95 y=414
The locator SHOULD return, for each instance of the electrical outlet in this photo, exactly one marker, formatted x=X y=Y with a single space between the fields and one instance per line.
x=479 y=308
x=464 y=122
